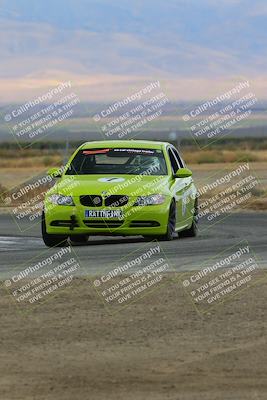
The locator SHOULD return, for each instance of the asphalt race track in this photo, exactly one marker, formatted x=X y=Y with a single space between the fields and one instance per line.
x=183 y=254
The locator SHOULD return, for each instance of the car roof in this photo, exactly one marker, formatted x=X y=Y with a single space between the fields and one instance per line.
x=148 y=144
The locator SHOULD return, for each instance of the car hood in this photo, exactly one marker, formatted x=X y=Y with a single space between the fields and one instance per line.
x=131 y=185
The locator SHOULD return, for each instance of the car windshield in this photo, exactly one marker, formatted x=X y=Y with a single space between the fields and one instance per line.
x=118 y=161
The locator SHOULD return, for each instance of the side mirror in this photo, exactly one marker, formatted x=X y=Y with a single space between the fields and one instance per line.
x=183 y=173
x=54 y=172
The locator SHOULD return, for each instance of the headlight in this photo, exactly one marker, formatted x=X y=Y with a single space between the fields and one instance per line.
x=151 y=200
x=60 y=200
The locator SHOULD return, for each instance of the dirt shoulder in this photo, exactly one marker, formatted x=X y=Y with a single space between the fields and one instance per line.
x=158 y=348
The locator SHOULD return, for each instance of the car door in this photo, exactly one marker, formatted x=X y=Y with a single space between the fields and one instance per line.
x=181 y=189
x=188 y=195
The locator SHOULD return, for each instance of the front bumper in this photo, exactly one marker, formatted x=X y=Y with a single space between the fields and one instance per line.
x=71 y=220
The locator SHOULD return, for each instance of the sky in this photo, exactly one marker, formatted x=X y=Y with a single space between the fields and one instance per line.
x=109 y=48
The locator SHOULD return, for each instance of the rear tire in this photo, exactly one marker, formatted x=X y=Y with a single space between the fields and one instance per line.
x=51 y=240
x=193 y=230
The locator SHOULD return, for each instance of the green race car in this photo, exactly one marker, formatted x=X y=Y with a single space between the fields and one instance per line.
x=127 y=187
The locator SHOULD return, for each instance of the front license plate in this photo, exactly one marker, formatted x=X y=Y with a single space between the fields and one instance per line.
x=103 y=214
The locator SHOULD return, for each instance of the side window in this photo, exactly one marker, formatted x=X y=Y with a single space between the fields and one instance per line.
x=180 y=161
x=174 y=162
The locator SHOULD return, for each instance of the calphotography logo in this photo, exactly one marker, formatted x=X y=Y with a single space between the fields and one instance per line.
x=227 y=191
x=132 y=277
x=44 y=276
x=222 y=277
x=128 y=117
x=218 y=117
x=40 y=116
x=26 y=202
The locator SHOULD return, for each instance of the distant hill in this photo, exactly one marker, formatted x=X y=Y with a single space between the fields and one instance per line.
x=107 y=43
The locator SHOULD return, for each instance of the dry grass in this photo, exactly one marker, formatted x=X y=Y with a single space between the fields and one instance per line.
x=17 y=167
x=30 y=162
x=29 y=158
x=223 y=156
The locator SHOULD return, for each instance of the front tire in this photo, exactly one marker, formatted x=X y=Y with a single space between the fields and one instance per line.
x=79 y=239
x=171 y=224
x=193 y=230
x=51 y=240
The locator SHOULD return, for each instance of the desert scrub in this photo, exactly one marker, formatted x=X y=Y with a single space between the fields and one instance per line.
x=3 y=189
